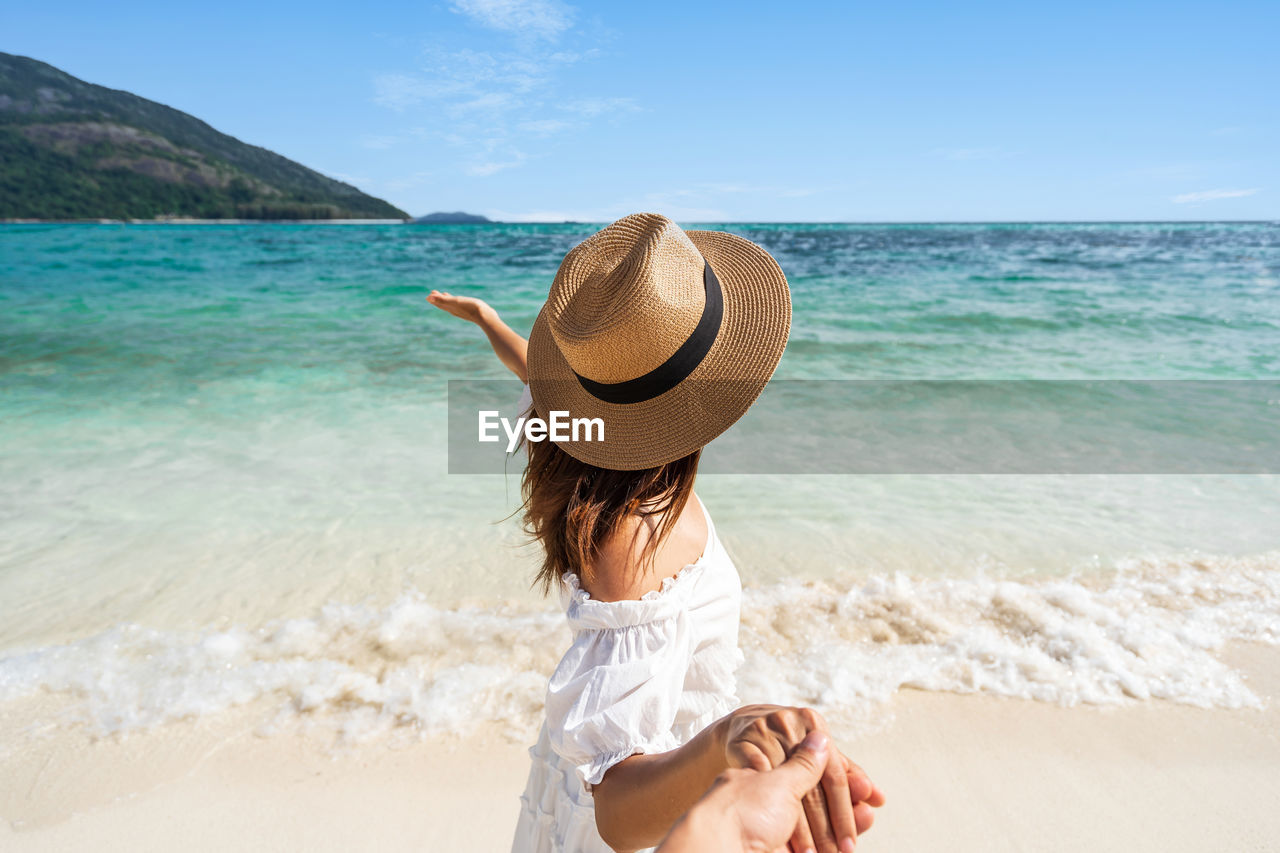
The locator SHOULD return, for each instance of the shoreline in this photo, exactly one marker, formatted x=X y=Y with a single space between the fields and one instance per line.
x=971 y=772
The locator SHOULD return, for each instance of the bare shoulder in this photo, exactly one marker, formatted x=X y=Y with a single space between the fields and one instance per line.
x=617 y=573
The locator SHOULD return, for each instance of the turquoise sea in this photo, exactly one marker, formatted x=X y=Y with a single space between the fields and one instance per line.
x=223 y=480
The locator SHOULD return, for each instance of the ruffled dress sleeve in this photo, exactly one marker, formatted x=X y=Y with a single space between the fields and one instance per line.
x=617 y=690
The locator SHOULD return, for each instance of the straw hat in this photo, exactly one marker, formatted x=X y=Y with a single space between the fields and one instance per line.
x=666 y=335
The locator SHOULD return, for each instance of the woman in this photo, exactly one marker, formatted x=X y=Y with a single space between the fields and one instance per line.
x=667 y=337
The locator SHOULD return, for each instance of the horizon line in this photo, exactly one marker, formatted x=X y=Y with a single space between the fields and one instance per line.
x=412 y=221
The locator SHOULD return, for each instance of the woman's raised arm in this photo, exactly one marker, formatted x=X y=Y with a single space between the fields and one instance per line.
x=511 y=349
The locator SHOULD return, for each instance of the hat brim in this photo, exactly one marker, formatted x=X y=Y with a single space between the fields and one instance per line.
x=753 y=334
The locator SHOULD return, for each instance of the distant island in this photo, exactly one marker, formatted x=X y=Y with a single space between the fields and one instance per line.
x=458 y=218
x=73 y=150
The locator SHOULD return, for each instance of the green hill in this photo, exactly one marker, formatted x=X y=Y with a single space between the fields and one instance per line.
x=73 y=150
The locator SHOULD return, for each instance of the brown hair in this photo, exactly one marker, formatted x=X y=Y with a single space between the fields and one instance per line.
x=571 y=507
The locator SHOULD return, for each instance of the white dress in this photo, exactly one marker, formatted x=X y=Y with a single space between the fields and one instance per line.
x=640 y=677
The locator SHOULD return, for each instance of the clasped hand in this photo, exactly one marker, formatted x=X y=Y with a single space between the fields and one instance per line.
x=838 y=809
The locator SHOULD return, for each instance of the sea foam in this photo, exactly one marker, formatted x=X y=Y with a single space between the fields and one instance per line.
x=1147 y=631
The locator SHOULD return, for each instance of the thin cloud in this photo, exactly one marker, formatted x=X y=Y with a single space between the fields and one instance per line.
x=493 y=167
x=469 y=76
x=499 y=103
x=401 y=91
x=545 y=19
x=544 y=127
x=1211 y=195
x=490 y=102
x=592 y=107
x=378 y=143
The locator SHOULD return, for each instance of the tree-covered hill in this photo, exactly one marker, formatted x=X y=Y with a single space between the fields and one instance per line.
x=73 y=150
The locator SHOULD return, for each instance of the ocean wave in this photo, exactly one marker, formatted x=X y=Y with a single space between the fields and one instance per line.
x=1147 y=631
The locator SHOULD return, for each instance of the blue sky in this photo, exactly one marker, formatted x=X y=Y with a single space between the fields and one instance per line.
x=892 y=111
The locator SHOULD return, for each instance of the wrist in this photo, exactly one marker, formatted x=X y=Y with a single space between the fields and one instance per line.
x=487 y=317
x=719 y=732
x=702 y=828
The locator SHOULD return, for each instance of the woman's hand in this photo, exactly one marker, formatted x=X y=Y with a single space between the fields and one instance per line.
x=750 y=812
x=511 y=349
x=464 y=307
x=762 y=737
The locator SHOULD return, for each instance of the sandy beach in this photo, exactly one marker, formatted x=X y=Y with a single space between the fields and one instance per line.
x=962 y=773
